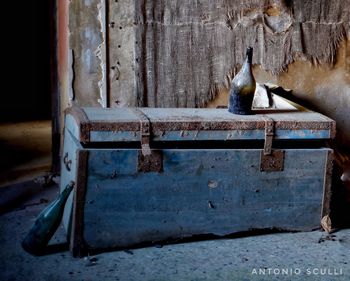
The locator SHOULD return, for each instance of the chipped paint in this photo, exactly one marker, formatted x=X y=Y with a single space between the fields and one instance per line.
x=87 y=43
x=100 y=52
x=88 y=2
x=213 y=184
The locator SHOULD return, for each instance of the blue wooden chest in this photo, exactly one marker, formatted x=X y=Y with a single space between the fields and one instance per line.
x=146 y=175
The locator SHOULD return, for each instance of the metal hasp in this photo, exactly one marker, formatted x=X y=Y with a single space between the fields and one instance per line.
x=149 y=160
x=270 y=160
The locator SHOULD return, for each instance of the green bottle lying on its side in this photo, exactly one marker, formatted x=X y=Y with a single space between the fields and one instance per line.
x=46 y=224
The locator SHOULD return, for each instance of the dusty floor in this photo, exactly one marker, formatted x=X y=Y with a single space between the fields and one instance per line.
x=25 y=150
x=282 y=256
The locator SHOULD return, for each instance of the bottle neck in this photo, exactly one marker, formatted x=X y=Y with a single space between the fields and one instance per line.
x=249 y=55
x=246 y=67
x=65 y=193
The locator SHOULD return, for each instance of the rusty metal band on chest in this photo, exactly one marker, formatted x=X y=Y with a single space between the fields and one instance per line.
x=270 y=160
x=149 y=160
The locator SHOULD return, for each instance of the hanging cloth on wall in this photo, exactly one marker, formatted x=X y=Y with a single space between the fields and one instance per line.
x=187 y=50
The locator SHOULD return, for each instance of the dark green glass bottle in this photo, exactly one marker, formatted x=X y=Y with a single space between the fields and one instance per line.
x=46 y=224
x=243 y=88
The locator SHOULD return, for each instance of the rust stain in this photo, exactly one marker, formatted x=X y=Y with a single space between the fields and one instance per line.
x=273 y=12
x=150 y=163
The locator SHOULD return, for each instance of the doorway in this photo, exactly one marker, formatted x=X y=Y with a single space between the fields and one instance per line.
x=26 y=117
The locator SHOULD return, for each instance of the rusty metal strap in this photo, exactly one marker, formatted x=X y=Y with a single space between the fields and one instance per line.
x=271 y=160
x=269 y=134
x=145 y=129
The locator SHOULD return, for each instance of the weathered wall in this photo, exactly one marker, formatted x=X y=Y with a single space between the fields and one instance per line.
x=87 y=53
x=121 y=38
x=100 y=56
x=190 y=50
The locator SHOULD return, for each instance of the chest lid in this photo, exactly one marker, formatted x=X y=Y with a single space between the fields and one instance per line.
x=105 y=125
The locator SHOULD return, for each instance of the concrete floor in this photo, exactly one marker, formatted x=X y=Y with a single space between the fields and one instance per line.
x=301 y=255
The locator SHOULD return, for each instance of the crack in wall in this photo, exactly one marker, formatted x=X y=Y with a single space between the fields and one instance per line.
x=71 y=92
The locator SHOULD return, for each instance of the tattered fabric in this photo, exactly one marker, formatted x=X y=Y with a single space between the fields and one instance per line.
x=185 y=50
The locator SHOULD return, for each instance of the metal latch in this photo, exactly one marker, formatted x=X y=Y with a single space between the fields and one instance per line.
x=145 y=137
x=149 y=160
x=145 y=131
x=270 y=160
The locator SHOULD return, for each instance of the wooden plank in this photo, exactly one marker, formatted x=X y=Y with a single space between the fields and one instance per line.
x=87 y=53
x=77 y=243
x=210 y=114
x=117 y=136
x=70 y=147
x=202 y=115
x=110 y=115
x=199 y=192
x=327 y=184
x=181 y=135
x=121 y=42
